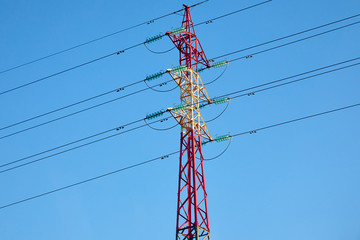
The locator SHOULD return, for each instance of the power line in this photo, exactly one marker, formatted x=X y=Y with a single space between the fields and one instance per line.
x=135 y=83
x=296 y=41
x=71 y=143
x=228 y=14
x=85 y=181
x=225 y=95
x=132 y=84
x=99 y=38
x=72 y=114
x=144 y=89
x=288 y=36
x=158 y=52
x=70 y=69
x=94 y=60
x=297 y=119
x=298 y=75
x=73 y=104
x=73 y=148
x=297 y=80
x=170 y=154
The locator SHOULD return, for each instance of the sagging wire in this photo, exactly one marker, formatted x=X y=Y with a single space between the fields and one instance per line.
x=100 y=38
x=162 y=157
x=160 y=85
x=223 y=111
x=161 y=52
x=219 y=155
x=216 y=102
x=212 y=81
x=221 y=100
x=254 y=131
x=148 y=78
x=247 y=56
x=76 y=147
x=160 y=129
x=218 y=139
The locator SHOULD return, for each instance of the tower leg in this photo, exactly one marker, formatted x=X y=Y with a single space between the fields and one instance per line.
x=192 y=210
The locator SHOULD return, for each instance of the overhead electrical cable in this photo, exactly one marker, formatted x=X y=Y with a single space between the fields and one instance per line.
x=218 y=77
x=144 y=80
x=87 y=180
x=69 y=69
x=162 y=84
x=228 y=96
x=100 y=58
x=171 y=154
x=220 y=114
x=160 y=129
x=231 y=13
x=76 y=147
x=296 y=41
x=226 y=137
x=159 y=52
x=296 y=120
x=118 y=98
x=73 y=142
x=283 y=84
x=99 y=38
x=291 y=35
x=73 y=104
x=220 y=154
x=71 y=114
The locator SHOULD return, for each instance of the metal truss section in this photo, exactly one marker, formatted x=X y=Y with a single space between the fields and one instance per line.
x=192 y=208
x=190 y=49
x=192 y=92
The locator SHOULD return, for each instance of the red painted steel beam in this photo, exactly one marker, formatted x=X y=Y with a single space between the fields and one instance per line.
x=192 y=209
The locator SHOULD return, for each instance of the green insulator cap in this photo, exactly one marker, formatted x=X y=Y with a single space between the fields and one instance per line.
x=179 y=108
x=219 y=64
x=154 y=76
x=222 y=138
x=178 y=30
x=179 y=68
x=154 y=115
x=153 y=39
x=221 y=100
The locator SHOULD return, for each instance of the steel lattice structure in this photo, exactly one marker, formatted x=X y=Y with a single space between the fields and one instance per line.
x=192 y=207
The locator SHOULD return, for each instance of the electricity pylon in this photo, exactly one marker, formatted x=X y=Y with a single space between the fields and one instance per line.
x=192 y=207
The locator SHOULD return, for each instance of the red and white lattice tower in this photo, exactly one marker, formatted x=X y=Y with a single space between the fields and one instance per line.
x=192 y=207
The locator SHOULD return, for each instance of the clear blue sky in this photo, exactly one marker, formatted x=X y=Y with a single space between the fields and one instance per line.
x=299 y=181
